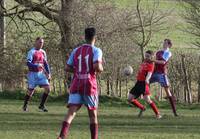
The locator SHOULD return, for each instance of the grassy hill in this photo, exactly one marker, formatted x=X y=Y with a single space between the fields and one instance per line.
x=175 y=23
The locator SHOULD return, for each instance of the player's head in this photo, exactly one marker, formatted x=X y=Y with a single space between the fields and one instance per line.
x=167 y=43
x=149 y=55
x=90 y=34
x=39 y=42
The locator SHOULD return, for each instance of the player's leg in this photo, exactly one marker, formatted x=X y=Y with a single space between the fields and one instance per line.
x=164 y=81
x=44 y=98
x=30 y=91
x=132 y=100
x=91 y=101
x=134 y=94
x=43 y=82
x=27 y=99
x=74 y=104
x=153 y=106
x=147 y=98
x=154 y=79
x=93 y=123
x=171 y=100
x=68 y=120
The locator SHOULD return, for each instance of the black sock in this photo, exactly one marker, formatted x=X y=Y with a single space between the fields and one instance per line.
x=44 y=98
x=26 y=99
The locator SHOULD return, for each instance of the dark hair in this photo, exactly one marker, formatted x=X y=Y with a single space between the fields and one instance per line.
x=169 y=42
x=149 y=52
x=38 y=38
x=90 y=33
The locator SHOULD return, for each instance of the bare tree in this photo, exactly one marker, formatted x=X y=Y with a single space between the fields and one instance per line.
x=1 y=37
x=149 y=20
x=2 y=31
x=192 y=17
x=61 y=16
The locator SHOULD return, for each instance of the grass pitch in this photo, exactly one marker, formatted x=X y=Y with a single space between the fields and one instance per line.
x=116 y=122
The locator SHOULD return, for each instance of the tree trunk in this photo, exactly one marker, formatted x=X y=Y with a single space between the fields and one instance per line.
x=65 y=25
x=142 y=52
x=2 y=39
x=108 y=86
x=60 y=85
x=2 y=35
x=117 y=82
x=54 y=85
x=187 y=87
x=111 y=88
x=127 y=88
x=120 y=88
x=199 y=85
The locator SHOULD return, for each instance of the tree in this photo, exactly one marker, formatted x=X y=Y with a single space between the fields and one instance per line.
x=61 y=16
x=2 y=34
x=192 y=17
x=149 y=21
x=1 y=37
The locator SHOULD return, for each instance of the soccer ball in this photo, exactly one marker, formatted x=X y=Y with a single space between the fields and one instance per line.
x=127 y=71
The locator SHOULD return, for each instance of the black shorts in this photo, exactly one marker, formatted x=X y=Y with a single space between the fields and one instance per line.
x=140 y=88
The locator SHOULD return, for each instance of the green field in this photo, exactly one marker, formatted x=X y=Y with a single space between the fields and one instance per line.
x=115 y=123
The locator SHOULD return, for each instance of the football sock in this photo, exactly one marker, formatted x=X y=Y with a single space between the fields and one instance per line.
x=44 y=98
x=94 y=131
x=171 y=100
x=137 y=104
x=155 y=109
x=26 y=99
x=65 y=129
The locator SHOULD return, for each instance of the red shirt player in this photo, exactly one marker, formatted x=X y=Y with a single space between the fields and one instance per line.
x=85 y=62
x=142 y=85
x=160 y=72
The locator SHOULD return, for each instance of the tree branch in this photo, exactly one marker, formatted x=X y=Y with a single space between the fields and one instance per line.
x=42 y=8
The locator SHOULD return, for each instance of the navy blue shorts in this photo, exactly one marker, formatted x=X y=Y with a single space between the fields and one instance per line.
x=160 y=78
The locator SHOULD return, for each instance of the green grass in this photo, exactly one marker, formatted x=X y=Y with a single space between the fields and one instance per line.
x=119 y=122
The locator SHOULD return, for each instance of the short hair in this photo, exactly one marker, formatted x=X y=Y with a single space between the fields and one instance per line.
x=169 y=42
x=149 y=52
x=90 y=33
x=38 y=38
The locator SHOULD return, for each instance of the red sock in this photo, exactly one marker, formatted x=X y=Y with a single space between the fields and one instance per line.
x=94 y=131
x=137 y=104
x=65 y=129
x=155 y=109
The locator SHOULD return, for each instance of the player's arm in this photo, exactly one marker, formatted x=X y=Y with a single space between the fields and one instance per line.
x=98 y=67
x=69 y=68
x=148 y=77
x=150 y=70
x=163 y=62
x=97 y=60
x=46 y=67
x=165 y=59
x=70 y=62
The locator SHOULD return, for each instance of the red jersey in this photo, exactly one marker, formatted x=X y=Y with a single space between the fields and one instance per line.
x=145 y=67
x=82 y=60
x=162 y=55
